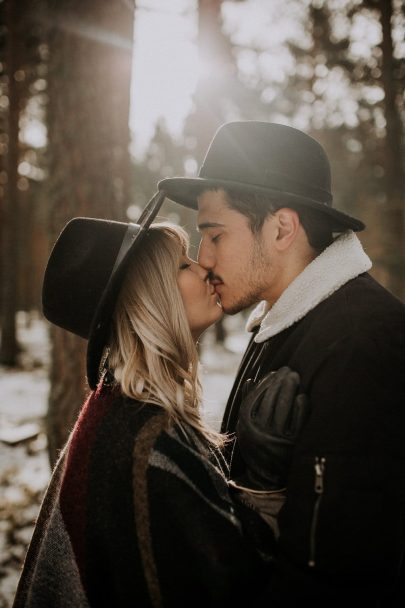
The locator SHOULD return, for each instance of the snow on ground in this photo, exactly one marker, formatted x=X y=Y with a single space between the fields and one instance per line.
x=219 y=367
x=24 y=467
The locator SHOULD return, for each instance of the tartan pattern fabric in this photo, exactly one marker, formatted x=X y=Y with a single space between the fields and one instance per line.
x=138 y=512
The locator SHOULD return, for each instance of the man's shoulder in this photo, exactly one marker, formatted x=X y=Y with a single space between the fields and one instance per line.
x=363 y=300
x=359 y=311
x=366 y=284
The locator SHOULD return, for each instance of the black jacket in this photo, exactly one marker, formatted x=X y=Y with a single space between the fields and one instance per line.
x=342 y=528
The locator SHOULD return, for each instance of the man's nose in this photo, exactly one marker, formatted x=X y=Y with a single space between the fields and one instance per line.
x=205 y=258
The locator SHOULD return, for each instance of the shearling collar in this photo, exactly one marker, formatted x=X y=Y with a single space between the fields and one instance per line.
x=342 y=261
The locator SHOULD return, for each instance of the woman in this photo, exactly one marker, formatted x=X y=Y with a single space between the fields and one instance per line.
x=139 y=510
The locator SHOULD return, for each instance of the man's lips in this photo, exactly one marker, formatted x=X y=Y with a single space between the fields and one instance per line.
x=215 y=281
x=216 y=285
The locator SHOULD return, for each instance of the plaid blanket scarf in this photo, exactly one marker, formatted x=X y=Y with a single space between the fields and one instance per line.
x=139 y=513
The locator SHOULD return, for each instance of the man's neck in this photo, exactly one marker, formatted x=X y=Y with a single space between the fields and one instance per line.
x=288 y=271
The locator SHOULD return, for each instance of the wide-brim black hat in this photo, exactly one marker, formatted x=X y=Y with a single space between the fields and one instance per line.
x=267 y=158
x=84 y=274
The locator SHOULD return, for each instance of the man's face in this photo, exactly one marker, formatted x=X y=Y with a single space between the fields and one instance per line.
x=238 y=260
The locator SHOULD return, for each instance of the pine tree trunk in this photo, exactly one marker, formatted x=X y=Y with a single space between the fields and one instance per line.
x=89 y=87
x=393 y=212
x=11 y=201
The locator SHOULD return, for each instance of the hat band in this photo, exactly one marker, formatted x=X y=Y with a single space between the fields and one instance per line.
x=272 y=181
x=126 y=245
x=145 y=220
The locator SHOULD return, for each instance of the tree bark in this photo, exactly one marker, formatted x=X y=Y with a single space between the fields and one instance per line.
x=11 y=201
x=392 y=213
x=89 y=86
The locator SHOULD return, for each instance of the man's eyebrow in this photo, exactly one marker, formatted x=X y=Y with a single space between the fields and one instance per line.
x=206 y=225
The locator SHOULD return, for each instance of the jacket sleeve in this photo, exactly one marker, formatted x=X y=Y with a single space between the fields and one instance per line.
x=342 y=525
x=267 y=503
x=195 y=541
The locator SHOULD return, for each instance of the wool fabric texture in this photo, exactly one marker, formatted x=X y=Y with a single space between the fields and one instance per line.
x=138 y=512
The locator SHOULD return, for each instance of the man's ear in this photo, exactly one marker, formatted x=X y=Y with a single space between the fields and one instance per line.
x=287 y=224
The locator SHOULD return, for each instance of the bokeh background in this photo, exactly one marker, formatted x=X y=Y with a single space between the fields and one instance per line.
x=100 y=99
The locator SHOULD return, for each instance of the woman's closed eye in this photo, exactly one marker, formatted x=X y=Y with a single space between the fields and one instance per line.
x=185 y=265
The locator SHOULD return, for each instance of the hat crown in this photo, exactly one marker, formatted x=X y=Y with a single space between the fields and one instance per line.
x=269 y=155
x=78 y=271
x=282 y=164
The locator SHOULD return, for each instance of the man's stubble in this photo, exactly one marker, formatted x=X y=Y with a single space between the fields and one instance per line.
x=258 y=275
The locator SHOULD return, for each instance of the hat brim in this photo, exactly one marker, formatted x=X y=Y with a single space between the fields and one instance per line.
x=101 y=324
x=185 y=191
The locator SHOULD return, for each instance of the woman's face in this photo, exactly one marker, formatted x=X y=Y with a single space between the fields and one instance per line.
x=199 y=297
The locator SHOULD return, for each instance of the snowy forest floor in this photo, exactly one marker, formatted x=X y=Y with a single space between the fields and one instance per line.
x=24 y=466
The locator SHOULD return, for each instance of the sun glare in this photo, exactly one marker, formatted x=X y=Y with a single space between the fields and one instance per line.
x=165 y=68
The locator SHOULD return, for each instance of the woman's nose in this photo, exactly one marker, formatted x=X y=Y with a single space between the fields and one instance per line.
x=200 y=271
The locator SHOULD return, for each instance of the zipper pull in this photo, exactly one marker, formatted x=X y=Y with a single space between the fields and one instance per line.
x=319 y=470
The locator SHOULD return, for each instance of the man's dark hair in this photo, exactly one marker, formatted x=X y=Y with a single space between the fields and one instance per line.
x=257 y=207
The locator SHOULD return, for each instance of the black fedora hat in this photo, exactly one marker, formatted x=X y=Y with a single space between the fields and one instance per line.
x=84 y=273
x=268 y=158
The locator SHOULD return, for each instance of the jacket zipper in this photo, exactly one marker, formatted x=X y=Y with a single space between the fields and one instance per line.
x=319 y=487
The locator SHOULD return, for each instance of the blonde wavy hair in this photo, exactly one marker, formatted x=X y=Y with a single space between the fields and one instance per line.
x=152 y=353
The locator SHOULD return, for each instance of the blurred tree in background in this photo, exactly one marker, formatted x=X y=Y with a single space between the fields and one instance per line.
x=90 y=55
x=22 y=84
x=80 y=53
x=13 y=59
x=350 y=95
x=334 y=68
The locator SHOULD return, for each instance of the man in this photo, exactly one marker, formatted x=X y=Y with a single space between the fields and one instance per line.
x=270 y=235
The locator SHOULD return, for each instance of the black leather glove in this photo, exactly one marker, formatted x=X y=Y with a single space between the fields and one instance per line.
x=271 y=416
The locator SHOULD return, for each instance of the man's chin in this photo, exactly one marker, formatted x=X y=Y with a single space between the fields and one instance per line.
x=232 y=308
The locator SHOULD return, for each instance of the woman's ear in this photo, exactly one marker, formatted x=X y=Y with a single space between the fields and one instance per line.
x=287 y=223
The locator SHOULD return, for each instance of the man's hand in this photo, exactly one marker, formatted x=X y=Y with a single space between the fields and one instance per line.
x=271 y=417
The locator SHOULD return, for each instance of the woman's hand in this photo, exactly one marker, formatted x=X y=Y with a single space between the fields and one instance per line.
x=271 y=417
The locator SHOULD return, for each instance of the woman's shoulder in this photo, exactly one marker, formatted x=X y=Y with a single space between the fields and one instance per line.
x=156 y=431
x=152 y=424
x=112 y=419
x=141 y=411
x=163 y=451
x=155 y=439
